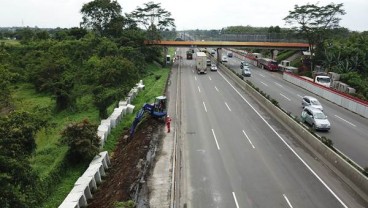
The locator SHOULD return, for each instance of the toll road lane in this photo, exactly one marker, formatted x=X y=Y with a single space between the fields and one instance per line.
x=222 y=164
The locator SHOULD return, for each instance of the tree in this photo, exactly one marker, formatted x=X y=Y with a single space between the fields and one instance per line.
x=5 y=79
x=154 y=19
x=17 y=144
x=314 y=22
x=101 y=16
x=112 y=76
x=82 y=140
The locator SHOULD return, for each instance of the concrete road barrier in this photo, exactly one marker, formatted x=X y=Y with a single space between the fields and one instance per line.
x=130 y=108
x=75 y=198
x=102 y=157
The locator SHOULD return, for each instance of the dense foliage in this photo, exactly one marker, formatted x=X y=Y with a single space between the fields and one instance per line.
x=17 y=145
x=97 y=63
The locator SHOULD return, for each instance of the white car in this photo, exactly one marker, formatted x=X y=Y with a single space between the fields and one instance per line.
x=224 y=59
x=246 y=71
x=311 y=101
x=213 y=67
x=315 y=118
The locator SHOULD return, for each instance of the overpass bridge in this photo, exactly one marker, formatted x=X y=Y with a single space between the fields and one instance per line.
x=231 y=44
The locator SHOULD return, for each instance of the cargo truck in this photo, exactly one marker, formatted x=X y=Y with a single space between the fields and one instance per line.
x=201 y=62
x=266 y=63
x=189 y=55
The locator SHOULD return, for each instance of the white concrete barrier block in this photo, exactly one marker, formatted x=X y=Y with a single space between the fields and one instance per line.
x=84 y=189
x=90 y=181
x=102 y=157
x=94 y=171
x=130 y=109
x=123 y=103
x=135 y=91
x=124 y=112
x=98 y=167
x=101 y=135
x=106 y=157
x=77 y=197
x=114 y=118
x=107 y=122
x=69 y=204
x=119 y=112
x=105 y=129
x=140 y=87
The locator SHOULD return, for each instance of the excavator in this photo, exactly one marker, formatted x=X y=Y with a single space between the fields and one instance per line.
x=156 y=110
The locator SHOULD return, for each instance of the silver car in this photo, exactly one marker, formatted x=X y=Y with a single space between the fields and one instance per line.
x=213 y=67
x=315 y=118
x=246 y=72
x=311 y=101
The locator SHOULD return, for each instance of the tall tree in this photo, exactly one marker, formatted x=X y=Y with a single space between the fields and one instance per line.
x=102 y=16
x=314 y=22
x=82 y=140
x=17 y=144
x=154 y=19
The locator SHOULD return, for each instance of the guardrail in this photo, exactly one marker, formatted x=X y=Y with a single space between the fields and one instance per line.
x=348 y=173
x=92 y=177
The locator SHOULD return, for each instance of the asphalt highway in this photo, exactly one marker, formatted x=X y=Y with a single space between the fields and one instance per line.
x=236 y=155
x=349 y=131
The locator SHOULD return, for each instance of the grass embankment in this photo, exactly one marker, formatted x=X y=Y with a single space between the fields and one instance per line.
x=49 y=158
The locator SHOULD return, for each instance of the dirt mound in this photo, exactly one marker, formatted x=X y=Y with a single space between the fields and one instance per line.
x=130 y=164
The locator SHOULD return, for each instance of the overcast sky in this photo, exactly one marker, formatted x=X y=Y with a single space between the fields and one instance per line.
x=188 y=14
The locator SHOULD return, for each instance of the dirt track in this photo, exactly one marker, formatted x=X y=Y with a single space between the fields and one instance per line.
x=129 y=165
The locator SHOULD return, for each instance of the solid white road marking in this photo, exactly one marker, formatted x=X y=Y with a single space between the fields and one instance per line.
x=287 y=200
x=278 y=84
x=248 y=139
x=217 y=89
x=291 y=149
x=285 y=97
x=227 y=106
x=204 y=105
x=345 y=121
x=264 y=84
x=214 y=136
x=236 y=201
x=199 y=90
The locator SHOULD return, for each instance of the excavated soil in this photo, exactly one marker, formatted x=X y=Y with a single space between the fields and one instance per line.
x=130 y=163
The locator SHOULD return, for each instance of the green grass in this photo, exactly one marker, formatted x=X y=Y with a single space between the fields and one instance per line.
x=49 y=154
x=9 y=42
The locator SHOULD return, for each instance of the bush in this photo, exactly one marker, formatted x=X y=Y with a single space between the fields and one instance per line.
x=82 y=140
x=327 y=142
x=126 y=204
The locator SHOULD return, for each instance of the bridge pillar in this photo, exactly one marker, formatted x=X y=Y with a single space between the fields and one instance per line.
x=274 y=53
x=218 y=53
x=165 y=55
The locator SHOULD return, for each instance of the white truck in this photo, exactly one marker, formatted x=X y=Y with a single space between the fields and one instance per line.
x=201 y=62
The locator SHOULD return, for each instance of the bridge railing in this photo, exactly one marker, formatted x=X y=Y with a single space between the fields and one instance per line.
x=254 y=37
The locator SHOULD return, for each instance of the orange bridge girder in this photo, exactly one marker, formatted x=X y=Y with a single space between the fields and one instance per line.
x=228 y=44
